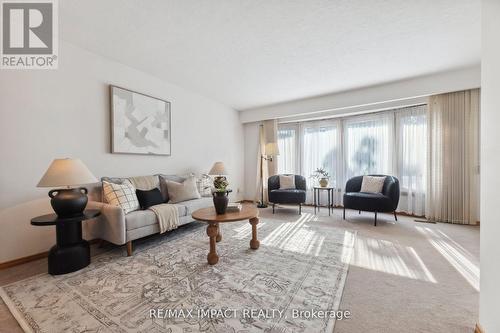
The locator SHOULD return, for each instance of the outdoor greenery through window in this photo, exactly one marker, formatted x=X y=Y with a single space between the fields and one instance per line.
x=391 y=143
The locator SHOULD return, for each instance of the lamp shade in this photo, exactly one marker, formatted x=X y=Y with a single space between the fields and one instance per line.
x=67 y=172
x=271 y=149
x=218 y=169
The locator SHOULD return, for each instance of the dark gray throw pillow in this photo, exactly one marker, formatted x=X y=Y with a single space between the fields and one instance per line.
x=149 y=198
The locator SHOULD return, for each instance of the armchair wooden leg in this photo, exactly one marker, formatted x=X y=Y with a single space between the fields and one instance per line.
x=273 y=207
x=395 y=216
x=300 y=209
x=375 y=224
x=130 y=250
x=344 y=213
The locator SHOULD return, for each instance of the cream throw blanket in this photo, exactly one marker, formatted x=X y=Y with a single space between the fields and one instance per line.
x=167 y=216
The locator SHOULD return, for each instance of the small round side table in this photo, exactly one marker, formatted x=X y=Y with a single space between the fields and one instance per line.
x=317 y=192
x=71 y=252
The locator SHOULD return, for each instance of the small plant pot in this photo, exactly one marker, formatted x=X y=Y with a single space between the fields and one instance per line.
x=221 y=200
x=323 y=182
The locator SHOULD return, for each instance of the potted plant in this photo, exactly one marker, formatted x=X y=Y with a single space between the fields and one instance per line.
x=220 y=195
x=322 y=176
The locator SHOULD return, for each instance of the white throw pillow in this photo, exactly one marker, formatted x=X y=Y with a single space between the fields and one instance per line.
x=186 y=190
x=287 y=182
x=372 y=184
x=121 y=195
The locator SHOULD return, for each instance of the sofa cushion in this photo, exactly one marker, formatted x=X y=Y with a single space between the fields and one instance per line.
x=141 y=218
x=287 y=196
x=178 y=192
x=113 y=180
x=163 y=184
x=149 y=198
x=121 y=195
x=372 y=202
x=287 y=182
x=192 y=205
x=145 y=183
x=372 y=184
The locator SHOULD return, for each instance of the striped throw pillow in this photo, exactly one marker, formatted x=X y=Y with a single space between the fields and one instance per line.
x=121 y=195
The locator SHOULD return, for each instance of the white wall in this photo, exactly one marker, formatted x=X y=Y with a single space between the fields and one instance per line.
x=490 y=166
x=65 y=113
x=375 y=97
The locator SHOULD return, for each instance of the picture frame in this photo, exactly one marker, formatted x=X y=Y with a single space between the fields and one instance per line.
x=140 y=124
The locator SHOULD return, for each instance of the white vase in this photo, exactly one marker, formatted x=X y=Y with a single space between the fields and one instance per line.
x=323 y=182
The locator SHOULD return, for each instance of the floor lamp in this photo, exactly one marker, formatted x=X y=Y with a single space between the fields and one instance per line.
x=270 y=150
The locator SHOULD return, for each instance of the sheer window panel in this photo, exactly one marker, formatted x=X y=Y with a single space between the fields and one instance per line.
x=288 y=143
x=320 y=149
x=368 y=145
x=411 y=147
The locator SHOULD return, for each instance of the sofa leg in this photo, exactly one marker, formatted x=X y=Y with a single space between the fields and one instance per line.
x=300 y=209
x=273 y=207
x=344 y=213
x=130 y=251
x=359 y=212
x=395 y=216
x=375 y=224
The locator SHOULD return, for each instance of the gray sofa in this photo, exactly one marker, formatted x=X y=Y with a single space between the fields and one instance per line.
x=119 y=228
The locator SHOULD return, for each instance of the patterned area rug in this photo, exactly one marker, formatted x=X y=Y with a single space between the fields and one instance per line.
x=167 y=285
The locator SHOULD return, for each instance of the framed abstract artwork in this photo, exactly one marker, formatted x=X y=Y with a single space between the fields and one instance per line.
x=140 y=124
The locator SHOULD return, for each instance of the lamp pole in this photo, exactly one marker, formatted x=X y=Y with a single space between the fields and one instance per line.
x=262 y=159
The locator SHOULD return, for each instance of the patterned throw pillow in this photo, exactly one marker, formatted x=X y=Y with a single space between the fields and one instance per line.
x=205 y=184
x=121 y=195
x=372 y=184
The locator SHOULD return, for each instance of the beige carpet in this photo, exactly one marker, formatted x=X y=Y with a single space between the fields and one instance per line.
x=407 y=276
x=403 y=277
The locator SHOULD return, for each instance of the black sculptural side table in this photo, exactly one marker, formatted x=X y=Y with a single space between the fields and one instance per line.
x=71 y=251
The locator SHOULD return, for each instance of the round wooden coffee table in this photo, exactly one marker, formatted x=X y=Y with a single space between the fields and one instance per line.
x=248 y=212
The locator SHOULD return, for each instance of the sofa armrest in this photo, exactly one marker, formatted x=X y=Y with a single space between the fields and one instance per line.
x=110 y=225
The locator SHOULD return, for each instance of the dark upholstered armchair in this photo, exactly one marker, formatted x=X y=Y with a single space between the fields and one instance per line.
x=384 y=202
x=291 y=196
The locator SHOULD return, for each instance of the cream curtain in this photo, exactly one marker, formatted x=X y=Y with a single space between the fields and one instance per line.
x=453 y=157
x=268 y=132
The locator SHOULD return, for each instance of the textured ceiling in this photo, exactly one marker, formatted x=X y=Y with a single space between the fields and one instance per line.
x=257 y=52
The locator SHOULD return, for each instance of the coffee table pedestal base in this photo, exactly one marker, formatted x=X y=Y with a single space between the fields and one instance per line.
x=212 y=232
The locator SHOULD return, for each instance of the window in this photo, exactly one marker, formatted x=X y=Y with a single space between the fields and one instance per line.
x=320 y=148
x=287 y=145
x=391 y=142
x=368 y=144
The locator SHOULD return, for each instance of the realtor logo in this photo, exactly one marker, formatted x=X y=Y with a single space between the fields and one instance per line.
x=29 y=34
